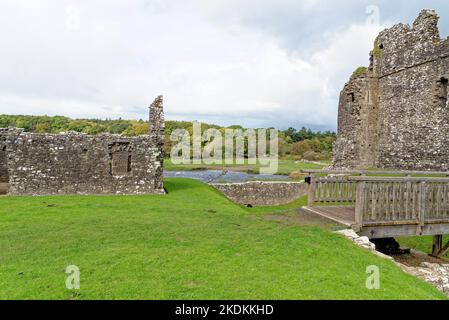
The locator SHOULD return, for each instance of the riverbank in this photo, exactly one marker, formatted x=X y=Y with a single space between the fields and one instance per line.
x=286 y=167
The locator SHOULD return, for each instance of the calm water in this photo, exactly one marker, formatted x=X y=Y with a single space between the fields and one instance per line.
x=220 y=176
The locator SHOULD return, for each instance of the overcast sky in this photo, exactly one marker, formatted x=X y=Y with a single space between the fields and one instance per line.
x=258 y=63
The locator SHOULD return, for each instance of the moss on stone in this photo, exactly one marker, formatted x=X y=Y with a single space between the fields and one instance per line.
x=377 y=52
x=359 y=72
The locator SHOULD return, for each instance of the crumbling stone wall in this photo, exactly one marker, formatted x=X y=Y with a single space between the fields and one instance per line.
x=76 y=163
x=396 y=114
x=3 y=165
x=4 y=176
x=262 y=193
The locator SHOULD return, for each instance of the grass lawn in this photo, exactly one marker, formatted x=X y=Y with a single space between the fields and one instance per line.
x=190 y=244
x=286 y=166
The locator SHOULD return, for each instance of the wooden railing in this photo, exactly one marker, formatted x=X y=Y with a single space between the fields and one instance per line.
x=401 y=201
x=410 y=204
x=377 y=172
x=338 y=189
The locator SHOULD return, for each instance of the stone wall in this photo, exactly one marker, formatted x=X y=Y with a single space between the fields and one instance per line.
x=76 y=163
x=4 y=178
x=262 y=193
x=396 y=115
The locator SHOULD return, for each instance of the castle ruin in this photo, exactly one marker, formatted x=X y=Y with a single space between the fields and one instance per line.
x=76 y=163
x=395 y=115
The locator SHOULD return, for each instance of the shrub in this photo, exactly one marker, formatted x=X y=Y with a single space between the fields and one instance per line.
x=311 y=155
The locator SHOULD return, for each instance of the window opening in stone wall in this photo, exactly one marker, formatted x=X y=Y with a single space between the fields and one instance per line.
x=351 y=97
x=443 y=90
x=120 y=159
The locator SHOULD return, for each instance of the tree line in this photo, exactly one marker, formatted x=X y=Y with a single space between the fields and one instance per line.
x=299 y=144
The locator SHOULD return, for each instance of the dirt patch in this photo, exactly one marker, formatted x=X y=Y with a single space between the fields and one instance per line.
x=303 y=218
x=416 y=258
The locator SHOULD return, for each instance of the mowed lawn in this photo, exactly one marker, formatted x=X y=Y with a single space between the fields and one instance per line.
x=190 y=244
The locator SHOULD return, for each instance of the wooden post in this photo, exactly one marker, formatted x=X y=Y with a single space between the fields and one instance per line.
x=437 y=245
x=311 y=193
x=359 y=204
x=422 y=205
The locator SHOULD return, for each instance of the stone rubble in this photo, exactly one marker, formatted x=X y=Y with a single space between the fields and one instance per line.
x=434 y=273
x=360 y=241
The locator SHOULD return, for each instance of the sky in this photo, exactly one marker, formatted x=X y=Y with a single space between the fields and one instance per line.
x=256 y=63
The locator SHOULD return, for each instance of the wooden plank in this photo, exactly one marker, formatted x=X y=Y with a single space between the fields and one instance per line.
x=378 y=172
x=443 y=251
x=322 y=191
x=344 y=215
x=395 y=205
x=436 y=202
x=390 y=223
x=376 y=232
x=311 y=191
x=359 y=204
x=400 y=179
x=437 y=244
x=422 y=205
x=445 y=200
x=374 y=202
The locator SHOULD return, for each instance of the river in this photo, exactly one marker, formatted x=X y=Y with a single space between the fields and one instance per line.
x=220 y=176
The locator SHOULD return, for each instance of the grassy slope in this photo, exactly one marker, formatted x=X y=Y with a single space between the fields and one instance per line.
x=190 y=244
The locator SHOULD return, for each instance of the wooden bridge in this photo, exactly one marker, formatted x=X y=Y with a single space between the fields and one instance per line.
x=383 y=204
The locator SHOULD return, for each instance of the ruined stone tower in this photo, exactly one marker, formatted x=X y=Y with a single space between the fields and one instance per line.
x=395 y=114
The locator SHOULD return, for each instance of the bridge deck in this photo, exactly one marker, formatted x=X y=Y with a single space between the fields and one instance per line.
x=344 y=215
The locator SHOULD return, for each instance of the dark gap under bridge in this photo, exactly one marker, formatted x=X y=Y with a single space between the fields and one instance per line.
x=383 y=204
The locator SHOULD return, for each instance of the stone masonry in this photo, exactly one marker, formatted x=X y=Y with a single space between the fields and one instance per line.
x=76 y=163
x=262 y=193
x=396 y=114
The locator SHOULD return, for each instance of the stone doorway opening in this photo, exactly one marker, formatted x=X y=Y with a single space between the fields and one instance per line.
x=4 y=176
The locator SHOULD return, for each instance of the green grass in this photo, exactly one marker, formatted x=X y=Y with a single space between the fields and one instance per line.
x=286 y=166
x=190 y=244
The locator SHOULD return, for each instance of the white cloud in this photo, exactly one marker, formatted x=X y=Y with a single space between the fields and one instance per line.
x=110 y=59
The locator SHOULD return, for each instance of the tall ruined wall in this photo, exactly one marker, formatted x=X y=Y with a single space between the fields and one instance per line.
x=400 y=117
x=157 y=133
x=357 y=123
x=76 y=163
